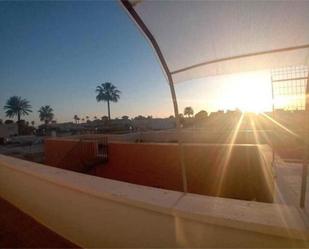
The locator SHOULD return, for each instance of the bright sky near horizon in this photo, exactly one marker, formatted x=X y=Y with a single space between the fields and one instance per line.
x=56 y=53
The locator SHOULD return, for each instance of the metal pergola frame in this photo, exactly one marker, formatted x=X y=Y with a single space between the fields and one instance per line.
x=306 y=152
x=141 y=25
x=240 y=57
x=127 y=5
x=305 y=139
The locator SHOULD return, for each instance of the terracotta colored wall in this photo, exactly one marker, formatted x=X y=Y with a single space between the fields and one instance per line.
x=244 y=176
x=69 y=154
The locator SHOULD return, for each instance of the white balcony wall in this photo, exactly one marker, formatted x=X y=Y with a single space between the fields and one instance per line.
x=97 y=212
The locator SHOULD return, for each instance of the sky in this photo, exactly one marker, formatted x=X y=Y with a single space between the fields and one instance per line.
x=56 y=53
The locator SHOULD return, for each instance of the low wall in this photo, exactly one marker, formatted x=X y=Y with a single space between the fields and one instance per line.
x=187 y=135
x=285 y=144
x=98 y=212
x=289 y=146
x=202 y=136
x=234 y=171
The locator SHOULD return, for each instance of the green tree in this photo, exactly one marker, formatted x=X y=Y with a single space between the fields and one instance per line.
x=188 y=111
x=109 y=93
x=46 y=114
x=16 y=106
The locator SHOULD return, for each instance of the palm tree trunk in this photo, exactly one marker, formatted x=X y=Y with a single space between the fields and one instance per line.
x=109 y=111
x=18 y=122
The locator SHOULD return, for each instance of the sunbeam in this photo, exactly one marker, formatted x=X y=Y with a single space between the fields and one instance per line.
x=266 y=169
x=227 y=154
x=280 y=125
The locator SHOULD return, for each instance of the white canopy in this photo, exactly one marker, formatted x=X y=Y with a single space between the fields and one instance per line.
x=204 y=38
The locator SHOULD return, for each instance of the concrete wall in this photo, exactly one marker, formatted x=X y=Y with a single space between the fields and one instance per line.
x=235 y=171
x=98 y=212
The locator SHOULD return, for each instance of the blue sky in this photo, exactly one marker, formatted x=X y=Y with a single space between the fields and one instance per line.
x=56 y=53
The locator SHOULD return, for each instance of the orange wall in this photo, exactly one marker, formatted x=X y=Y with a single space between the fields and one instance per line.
x=68 y=154
x=209 y=172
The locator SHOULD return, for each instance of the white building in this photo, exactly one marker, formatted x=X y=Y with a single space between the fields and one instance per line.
x=7 y=130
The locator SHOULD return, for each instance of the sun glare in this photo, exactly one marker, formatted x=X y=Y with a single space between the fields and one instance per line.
x=250 y=92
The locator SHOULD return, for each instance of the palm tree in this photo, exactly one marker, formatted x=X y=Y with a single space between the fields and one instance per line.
x=109 y=93
x=46 y=114
x=16 y=106
x=188 y=111
x=76 y=118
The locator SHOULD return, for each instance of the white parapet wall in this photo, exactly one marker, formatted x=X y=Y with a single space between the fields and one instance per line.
x=98 y=212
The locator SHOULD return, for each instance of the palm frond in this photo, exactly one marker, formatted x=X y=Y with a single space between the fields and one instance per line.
x=15 y=106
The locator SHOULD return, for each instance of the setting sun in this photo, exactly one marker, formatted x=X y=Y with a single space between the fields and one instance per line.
x=249 y=92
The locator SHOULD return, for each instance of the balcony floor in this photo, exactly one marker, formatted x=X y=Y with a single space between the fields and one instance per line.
x=288 y=183
x=18 y=230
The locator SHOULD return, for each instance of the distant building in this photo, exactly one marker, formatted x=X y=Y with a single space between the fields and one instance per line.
x=62 y=128
x=8 y=130
x=154 y=123
x=217 y=113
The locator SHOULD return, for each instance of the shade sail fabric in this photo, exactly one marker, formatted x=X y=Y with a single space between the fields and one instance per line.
x=229 y=36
